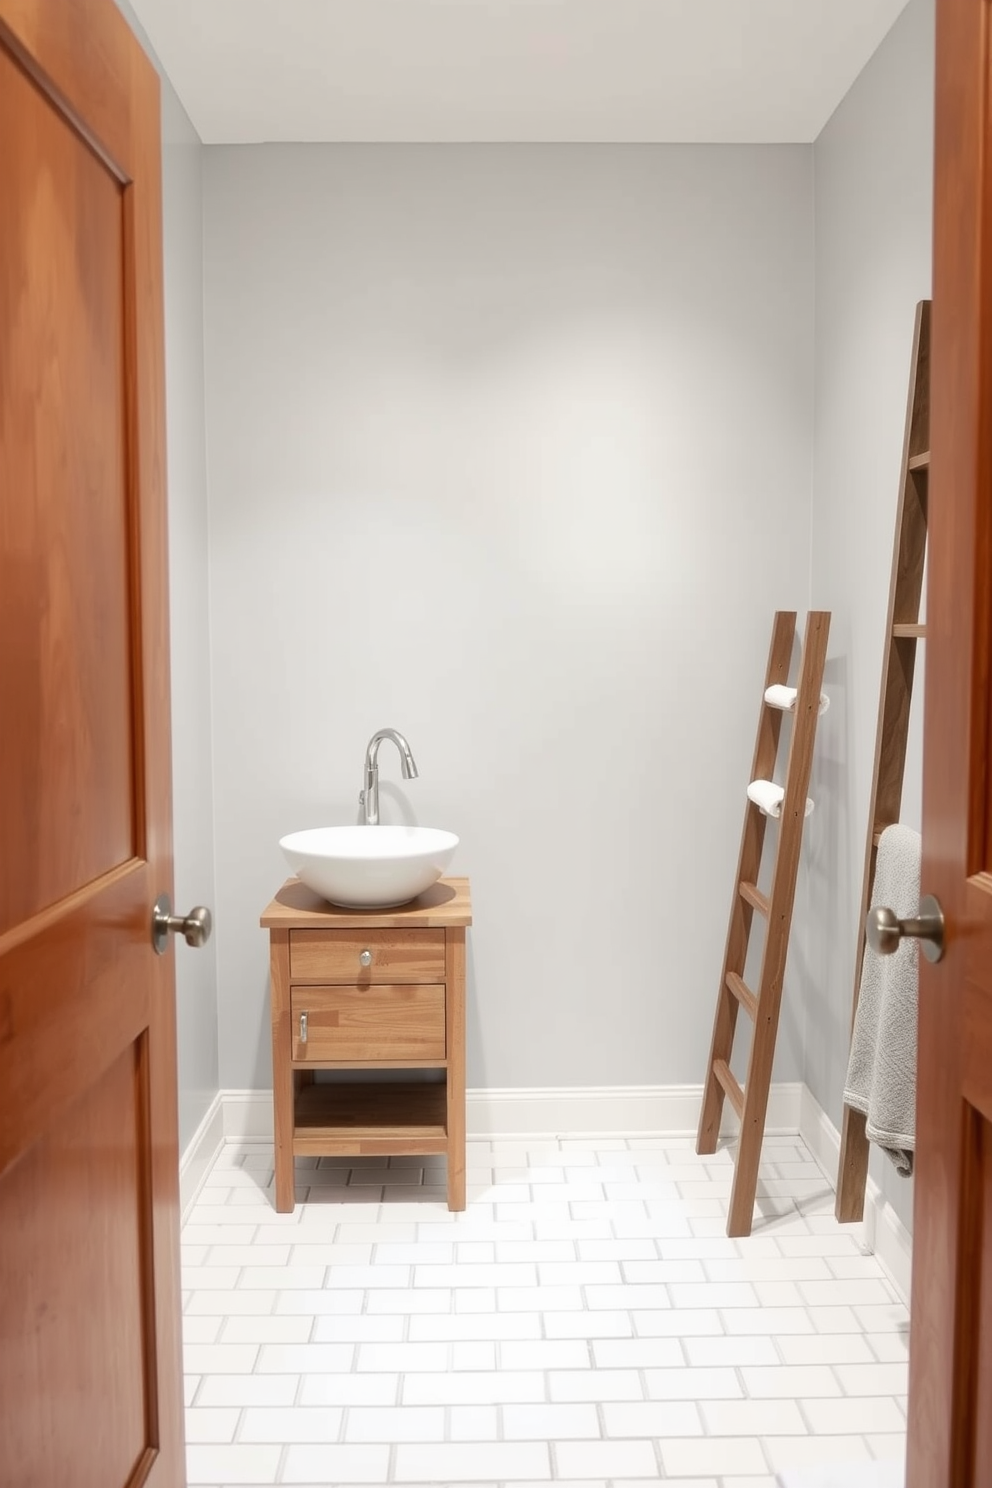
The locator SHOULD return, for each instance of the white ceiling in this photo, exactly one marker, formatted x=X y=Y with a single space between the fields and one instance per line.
x=513 y=70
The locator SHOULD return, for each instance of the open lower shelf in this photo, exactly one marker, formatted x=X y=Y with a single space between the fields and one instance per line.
x=370 y=1120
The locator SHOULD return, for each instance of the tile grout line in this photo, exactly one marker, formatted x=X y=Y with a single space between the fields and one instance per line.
x=541 y=1317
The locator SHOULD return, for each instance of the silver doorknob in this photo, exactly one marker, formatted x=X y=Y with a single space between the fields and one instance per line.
x=194 y=927
x=366 y=958
x=885 y=930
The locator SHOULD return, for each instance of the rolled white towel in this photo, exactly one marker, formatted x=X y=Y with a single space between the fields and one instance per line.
x=778 y=696
x=769 y=797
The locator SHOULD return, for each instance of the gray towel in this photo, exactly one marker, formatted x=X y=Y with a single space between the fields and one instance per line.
x=881 y=1074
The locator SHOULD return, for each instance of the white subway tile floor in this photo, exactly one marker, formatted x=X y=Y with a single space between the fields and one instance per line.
x=585 y=1322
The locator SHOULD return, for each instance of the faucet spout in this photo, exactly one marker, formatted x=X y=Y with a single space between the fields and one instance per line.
x=369 y=797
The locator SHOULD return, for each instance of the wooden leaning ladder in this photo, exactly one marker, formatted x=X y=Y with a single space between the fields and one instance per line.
x=762 y=1006
x=903 y=630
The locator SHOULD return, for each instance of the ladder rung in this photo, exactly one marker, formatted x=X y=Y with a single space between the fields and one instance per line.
x=753 y=895
x=743 y=993
x=918 y=631
x=920 y=462
x=733 y=1091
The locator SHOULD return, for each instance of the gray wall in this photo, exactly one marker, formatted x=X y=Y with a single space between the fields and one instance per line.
x=192 y=751
x=192 y=756
x=490 y=434
x=509 y=449
x=873 y=183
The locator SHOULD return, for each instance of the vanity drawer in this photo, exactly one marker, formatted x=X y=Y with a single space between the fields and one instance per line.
x=390 y=955
x=368 y=1023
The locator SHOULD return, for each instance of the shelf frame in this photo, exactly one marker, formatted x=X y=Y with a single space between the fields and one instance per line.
x=374 y=1117
x=903 y=631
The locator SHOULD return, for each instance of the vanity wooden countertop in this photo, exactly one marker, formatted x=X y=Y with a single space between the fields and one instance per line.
x=295 y=907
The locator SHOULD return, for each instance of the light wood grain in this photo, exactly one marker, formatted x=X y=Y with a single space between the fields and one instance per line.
x=371 y=1120
x=906 y=631
x=729 y=1085
x=743 y=993
x=902 y=631
x=283 y=1084
x=397 y=955
x=295 y=907
x=304 y=1067
x=371 y=1024
x=391 y=1016
x=455 y=1102
x=754 y=897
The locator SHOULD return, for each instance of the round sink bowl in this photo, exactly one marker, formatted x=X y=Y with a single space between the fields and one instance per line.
x=369 y=867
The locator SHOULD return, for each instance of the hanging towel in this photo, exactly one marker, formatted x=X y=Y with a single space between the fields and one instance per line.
x=770 y=797
x=881 y=1074
x=778 y=696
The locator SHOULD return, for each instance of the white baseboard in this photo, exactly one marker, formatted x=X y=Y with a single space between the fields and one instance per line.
x=247 y=1115
x=201 y=1152
x=882 y=1233
x=613 y=1110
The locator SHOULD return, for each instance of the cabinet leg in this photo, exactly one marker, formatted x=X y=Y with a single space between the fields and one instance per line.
x=455 y=1031
x=285 y=1186
x=456 y=1156
x=456 y=1184
x=283 y=1084
x=283 y=1115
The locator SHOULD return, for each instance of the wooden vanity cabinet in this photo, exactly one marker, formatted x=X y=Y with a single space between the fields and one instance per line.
x=368 y=990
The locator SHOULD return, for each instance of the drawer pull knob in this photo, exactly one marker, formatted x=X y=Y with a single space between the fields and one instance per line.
x=366 y=958
x=303 y=1028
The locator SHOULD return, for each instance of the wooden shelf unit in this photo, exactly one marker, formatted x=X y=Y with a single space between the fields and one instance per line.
x=368 y=990
x=750 y=1101
x=903 y=631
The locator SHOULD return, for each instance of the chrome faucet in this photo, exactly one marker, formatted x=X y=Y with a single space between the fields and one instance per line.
x=369 y=797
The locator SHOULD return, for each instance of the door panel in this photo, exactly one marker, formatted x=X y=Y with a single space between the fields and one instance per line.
x=978 y=1318
x=90 y=1363
x=91 y=1300
x=63 y=1019
x=66 y=774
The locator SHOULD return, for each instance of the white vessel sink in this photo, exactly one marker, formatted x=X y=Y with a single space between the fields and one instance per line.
x=369 y=867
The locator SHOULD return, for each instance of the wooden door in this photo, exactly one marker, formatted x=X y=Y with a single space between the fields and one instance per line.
x=90 y=1362
x=950 y=1399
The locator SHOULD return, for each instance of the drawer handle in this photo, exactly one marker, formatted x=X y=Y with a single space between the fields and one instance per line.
x=366 y=958
x=303 y=1028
